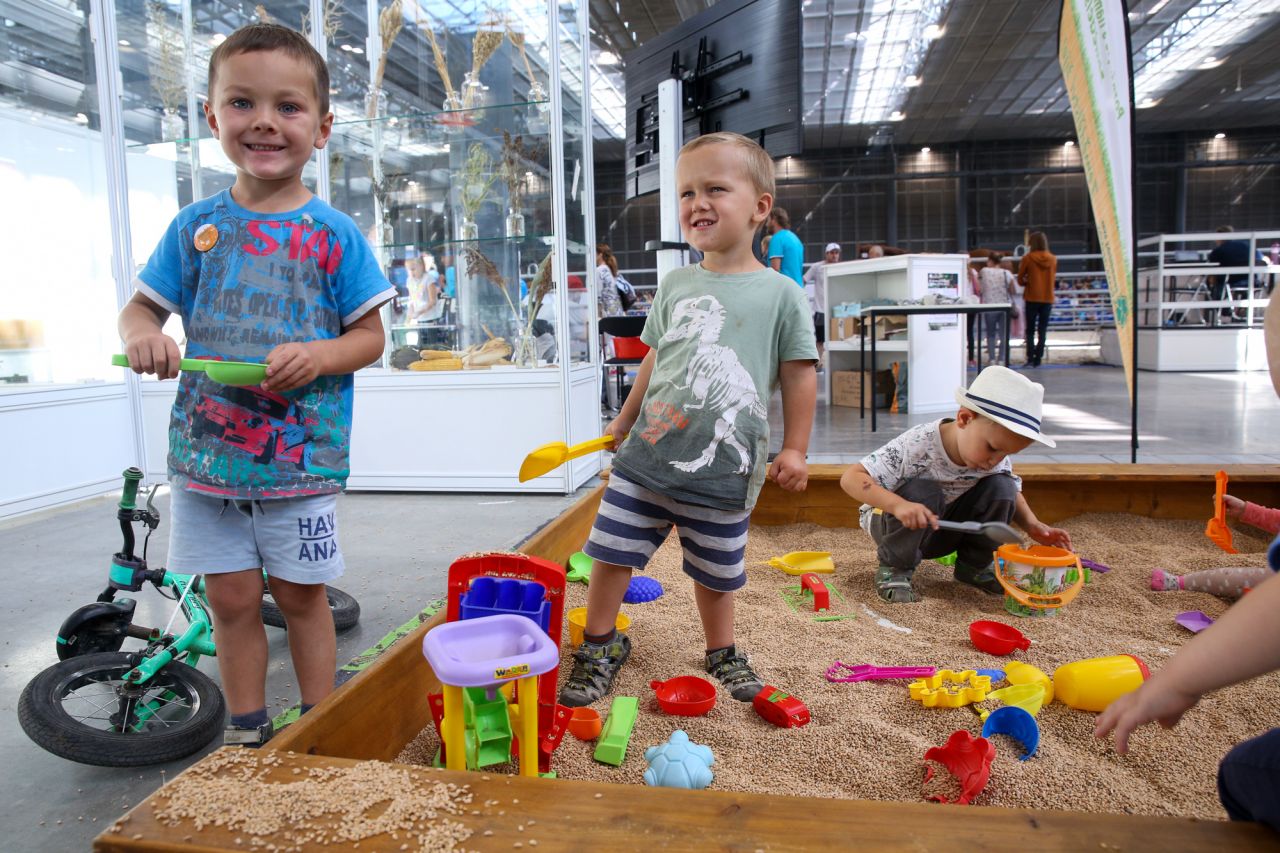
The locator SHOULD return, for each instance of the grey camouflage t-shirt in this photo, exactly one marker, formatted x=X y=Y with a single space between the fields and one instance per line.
x=918 y=454
x=702 y=436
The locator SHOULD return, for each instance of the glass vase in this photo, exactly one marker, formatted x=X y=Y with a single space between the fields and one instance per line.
x=468 y=229
x=172 y=126
x=525 y=352
x=375 y=103
x=515 y=223
x=473 y=92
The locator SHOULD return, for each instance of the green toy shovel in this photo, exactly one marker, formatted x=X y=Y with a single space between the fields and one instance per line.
x=225 y=372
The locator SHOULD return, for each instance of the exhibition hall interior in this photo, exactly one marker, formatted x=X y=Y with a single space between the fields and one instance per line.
x=425 y=293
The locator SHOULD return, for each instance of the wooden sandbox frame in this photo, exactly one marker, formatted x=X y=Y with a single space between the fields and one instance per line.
x=376 y=713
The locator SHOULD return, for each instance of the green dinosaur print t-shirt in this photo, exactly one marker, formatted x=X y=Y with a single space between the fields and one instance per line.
x=702 y=435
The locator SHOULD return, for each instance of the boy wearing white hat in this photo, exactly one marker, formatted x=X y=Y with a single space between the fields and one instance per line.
x=955 y=469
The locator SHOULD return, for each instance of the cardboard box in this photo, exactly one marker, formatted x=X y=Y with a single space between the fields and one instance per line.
x=848 y=328
x=843 y=328
x=846 y=388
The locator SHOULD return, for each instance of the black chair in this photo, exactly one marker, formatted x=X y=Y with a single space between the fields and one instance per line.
x=623 y=328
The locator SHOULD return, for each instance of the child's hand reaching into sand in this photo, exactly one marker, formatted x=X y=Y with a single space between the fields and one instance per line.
x=1153 y=701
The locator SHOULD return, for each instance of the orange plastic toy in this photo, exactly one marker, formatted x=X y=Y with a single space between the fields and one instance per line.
x=1217 y=530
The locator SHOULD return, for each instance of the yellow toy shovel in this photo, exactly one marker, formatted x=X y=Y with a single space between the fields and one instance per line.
x=804 y=562
x=551 y=456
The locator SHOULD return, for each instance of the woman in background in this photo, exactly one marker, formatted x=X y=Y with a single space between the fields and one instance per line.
x=608 y=300
x=1037 y=273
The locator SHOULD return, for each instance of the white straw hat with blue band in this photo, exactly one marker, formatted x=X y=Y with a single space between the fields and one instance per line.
x=1008 y=398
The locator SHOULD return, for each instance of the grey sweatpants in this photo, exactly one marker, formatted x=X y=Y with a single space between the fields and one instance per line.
x=991 y=499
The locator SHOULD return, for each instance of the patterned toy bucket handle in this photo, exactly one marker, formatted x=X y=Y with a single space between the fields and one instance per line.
x=1035 y=600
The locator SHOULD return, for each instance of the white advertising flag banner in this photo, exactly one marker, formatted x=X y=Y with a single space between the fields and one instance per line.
x=1093 y=50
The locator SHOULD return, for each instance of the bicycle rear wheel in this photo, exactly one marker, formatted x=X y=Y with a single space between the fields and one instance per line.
x=82 y=709
x=345 y=608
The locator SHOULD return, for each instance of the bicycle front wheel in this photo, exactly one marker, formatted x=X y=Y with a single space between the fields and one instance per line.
x=83 y=710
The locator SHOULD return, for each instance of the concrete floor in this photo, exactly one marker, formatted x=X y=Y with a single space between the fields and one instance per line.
x=398 y=547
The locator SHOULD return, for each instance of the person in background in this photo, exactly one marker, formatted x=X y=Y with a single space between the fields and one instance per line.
x=1037 y=273
x=1228 y=253
x=608 y=301
x=876 y=251
x=996 y=286
x=786 y=252
x=815 y=287
x=971 y=323
x=425 y=304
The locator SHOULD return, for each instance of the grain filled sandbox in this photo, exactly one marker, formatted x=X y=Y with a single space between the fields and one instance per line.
x=866 y=740
x=863 y=751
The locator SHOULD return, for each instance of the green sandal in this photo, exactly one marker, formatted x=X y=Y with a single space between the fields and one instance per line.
x=894 y=586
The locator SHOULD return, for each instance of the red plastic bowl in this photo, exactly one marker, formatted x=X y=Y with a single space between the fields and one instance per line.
x=996 y=638
x=685 y=695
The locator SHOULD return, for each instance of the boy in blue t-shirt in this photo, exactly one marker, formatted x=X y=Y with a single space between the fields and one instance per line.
x=263 y=272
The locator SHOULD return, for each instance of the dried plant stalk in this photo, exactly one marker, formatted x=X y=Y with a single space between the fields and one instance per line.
x=441 y=66
x=539 y=287
x=390 y=22
x=484 y=46
x=478 y=264
x=477 y=179
x=518 y=40
x=330 y=24
x=167 y=68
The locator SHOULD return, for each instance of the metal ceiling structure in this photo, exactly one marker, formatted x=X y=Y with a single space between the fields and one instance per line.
x=952 y=70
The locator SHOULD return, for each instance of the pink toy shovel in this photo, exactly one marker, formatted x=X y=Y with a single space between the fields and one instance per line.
x=867 y=672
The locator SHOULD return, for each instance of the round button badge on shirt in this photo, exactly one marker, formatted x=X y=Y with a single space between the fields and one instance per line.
x=206 y=237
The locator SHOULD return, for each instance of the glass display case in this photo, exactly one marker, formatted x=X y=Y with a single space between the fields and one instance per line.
x=460 y=147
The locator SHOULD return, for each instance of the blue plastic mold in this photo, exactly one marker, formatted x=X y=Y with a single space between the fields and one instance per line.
x=489 y=596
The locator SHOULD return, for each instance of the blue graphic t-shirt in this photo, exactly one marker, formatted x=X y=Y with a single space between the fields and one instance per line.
x=268 y=279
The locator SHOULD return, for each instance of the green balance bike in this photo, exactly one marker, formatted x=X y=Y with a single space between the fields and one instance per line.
x=100 y=705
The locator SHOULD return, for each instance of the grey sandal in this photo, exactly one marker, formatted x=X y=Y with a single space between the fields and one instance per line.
x=894 y=586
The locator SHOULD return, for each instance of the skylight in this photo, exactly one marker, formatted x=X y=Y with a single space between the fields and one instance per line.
x=1202 y=38
x=889 y=54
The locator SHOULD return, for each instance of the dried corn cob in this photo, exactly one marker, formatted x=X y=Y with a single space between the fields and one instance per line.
x=438 y=364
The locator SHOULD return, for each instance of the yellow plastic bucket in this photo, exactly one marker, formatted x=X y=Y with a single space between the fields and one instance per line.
x=578 y=624
x=1039 y=580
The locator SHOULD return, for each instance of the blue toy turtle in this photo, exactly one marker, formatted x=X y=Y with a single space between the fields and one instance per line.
x=679 y=763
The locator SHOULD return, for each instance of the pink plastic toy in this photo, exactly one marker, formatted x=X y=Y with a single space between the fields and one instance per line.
x=996 y=638
x=821 y=597
x=685 y=695
x=968 y=759
x=841 y=673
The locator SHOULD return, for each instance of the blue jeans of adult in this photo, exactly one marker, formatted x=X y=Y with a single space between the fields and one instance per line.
x=1249 y=780
x=1037 y=330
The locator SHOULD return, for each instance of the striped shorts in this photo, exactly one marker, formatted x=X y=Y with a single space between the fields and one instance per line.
x=633 y=521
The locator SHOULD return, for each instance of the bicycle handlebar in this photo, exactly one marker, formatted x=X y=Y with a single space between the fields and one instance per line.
x=129 y=499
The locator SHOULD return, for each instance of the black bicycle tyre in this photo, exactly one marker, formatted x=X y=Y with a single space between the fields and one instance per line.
x=346 y=610
x=52 y=727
